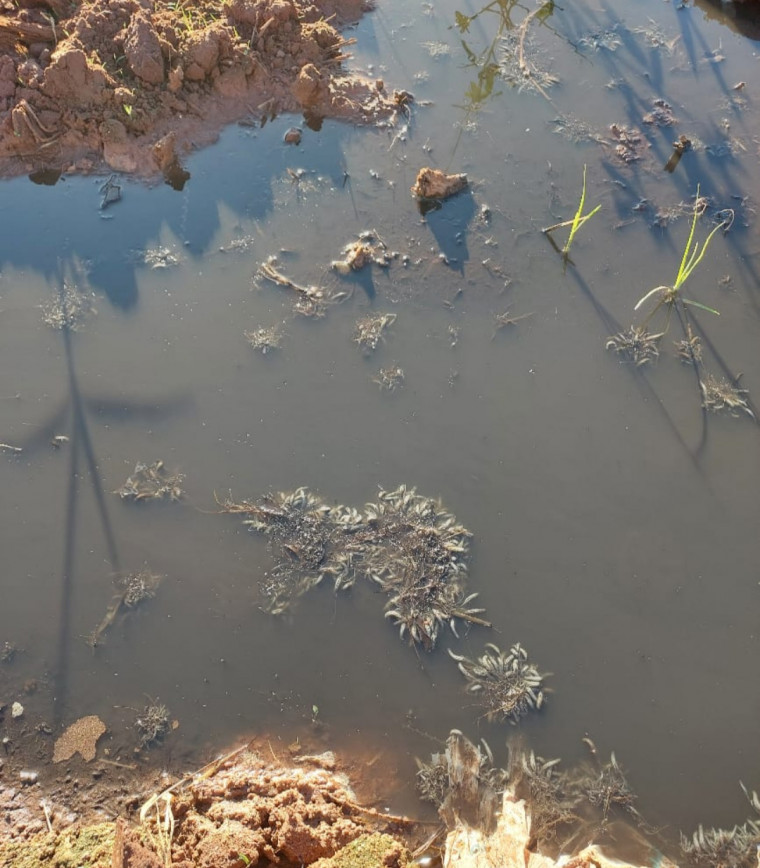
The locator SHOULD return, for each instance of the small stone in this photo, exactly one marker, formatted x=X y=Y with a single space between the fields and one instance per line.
x=17 y=710
x=292 y=136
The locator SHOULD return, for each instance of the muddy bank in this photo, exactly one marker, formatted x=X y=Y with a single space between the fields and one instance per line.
x=129 y=86
x=247 y=808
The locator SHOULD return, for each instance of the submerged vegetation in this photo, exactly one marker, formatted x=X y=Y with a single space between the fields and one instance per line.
x=152 y=482
x=403 y=542
x=506 y=685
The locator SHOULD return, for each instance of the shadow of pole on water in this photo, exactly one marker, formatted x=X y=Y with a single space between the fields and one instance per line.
x=81 y=441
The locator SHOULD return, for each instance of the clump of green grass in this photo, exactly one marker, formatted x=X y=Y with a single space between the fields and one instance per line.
x=575 y=224
x=693 y=254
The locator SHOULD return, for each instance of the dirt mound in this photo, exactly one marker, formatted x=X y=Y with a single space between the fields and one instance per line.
x=130 y=84
x=240 y=810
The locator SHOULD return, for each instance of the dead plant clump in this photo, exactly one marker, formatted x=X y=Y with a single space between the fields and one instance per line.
x=370 y=331
x=265 y=339
x=152 y=724
x=151 y=482
x=405 y=543
x=390 y=379
x=506 y=685
x=130 y=86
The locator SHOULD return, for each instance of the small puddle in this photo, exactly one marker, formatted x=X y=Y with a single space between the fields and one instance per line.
x=604 y=459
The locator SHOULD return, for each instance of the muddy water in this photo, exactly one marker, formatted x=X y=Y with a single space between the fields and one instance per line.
x=615 y=532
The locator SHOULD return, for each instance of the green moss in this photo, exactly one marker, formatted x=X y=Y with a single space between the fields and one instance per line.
x=77 y=847
x=368 y=851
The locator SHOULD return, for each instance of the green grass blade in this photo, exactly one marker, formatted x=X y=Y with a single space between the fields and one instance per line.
x=686 y=256
x=701 y=306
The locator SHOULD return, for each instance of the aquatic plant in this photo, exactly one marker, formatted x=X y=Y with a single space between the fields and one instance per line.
x=151 y=482
x=693 y=254
x=547 y=790
x=576 y=223
x=404 y=542
x=389 y=379
x=719 y=394
x=635 y=344
x=609 y=789
x=152 y=724
x=265 y=339
x=370 y=331
x=507 y=685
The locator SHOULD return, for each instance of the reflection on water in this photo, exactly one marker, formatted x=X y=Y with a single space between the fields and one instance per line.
x=613 y=521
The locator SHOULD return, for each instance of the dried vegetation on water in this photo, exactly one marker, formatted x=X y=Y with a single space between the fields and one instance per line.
x=403 y=542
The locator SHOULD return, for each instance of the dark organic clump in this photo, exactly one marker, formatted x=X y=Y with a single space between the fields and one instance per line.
x=403 y=542
x=153 y=724
x=507 y=685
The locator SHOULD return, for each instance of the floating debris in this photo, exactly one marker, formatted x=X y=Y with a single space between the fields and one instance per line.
x=133 y=589
x=689 y=350
x=265 y=339
x=369 y=248
x=636 y=344
x=312 y=301
x=68 y=309
x=630 y=144
x=464 y=772
x=435 y=184
x=548 y=791
x=8 y=652
x=152 y=724
x=390 y=379
x=159 y=257
x=601 y=39
x=151 y=482
x=735 y=847
x=433 y=779
x=404 y=542
x=719 y=394
x=507 y=685
x=661 y=114
x=17 y=710
x=504 y=320
x=436 y=49
x=610 y=789
x=370 y=331
x=81 y=737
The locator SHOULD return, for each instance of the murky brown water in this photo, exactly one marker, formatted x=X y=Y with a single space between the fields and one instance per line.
x=614 y=535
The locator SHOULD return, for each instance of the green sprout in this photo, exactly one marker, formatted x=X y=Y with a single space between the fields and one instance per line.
x=692 y=256
x=575 y=224
x=128 y=110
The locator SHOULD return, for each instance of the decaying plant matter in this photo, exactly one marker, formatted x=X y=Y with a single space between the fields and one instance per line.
x=265 y=338
x=635 y=344
x=507 y=685
x=151 y=482
x=152 y=724
x=311 y=301
x=370 y=331
x=389 y=379
x=132 y=590
x=403 y=542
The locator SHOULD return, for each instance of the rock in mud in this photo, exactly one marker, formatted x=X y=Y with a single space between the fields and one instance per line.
x=142 y=48
x=309 y=88
x=435 y=184
x=70 y=78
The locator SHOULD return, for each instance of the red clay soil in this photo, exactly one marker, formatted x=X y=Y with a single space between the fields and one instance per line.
x=127 y=85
